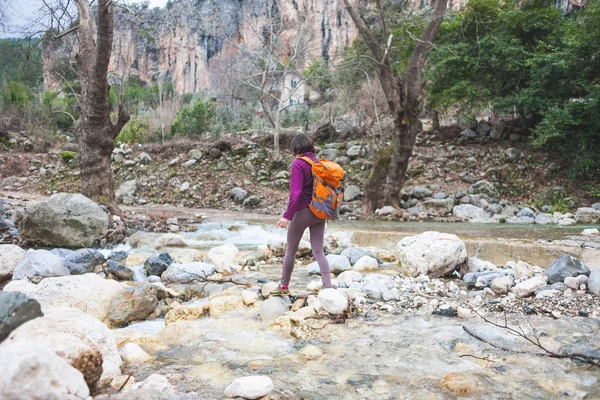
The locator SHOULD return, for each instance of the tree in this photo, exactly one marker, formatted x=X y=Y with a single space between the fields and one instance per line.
x=95 y=130
x=404 y=95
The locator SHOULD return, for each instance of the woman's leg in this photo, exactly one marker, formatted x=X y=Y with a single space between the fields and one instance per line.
x=317 y=234
x=296 y=229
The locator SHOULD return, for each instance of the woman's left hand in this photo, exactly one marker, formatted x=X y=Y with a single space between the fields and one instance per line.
x=283 y=223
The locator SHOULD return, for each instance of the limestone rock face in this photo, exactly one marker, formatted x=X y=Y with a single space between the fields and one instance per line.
x=431 y=253
x=66 y=219
x=31 y=370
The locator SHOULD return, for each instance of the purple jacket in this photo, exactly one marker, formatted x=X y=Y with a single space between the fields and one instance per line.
x=301 y=186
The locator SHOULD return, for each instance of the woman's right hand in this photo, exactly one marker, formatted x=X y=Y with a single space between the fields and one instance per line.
x=283 y=223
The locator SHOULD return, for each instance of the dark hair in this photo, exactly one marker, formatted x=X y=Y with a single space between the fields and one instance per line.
x=301 y=144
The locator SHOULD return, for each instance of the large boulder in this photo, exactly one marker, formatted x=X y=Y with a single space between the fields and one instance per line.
x=337 y=264
x=135 y=303
x=72 y=345
x=565 y=266
x=484 y=187
x=31 y=370
x=530 y=286
x=250 y=387
x=431 y=253
x=273 y=308
x=336 y=242
x=16 y=309
x=439 y=207
x=126 y=190
x=470 y=212
x=83 y=261
x=587 y=215
x=186 y=273
x=39 y=264
x=594 y=282
x=222 y=256
x=89 y=293
x=66 y=219
x=351 y=193
x=10 y=256
x=333 y=301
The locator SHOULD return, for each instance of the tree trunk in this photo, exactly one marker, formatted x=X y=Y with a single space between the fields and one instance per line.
x=96 y=133
x=405 y=100
x=276 y=150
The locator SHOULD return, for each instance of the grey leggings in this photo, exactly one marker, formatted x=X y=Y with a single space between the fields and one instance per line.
x=305 y=219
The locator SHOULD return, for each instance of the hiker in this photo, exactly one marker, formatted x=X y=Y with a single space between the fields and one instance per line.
x=301 y=212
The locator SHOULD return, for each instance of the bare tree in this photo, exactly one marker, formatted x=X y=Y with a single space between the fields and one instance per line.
x=404 y=96
x=95 y=131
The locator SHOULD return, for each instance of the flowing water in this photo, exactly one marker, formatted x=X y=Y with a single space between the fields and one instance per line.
x=377 y=354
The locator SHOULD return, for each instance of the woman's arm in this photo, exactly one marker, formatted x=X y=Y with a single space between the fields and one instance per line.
x=296 y=186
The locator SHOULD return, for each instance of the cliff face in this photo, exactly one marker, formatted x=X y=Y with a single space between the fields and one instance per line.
x=193 y=42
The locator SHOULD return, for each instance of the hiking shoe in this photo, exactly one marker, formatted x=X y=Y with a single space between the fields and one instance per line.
x=279 y=292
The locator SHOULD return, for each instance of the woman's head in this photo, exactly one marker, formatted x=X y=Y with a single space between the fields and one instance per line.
x=301 y=144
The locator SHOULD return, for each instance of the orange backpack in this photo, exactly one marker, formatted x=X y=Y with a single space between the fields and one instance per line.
x=327 y=188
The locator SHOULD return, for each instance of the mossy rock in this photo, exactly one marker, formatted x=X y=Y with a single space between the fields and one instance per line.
x=67 y=156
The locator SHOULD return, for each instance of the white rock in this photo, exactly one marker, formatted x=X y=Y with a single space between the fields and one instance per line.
x=39 y=264
x=349 y=277
x=315 y=286
x=273 y=307
x=268 y=288
x=336 y=242
x=385 y=211
x=90 y=293
x=249 y=297
x=572 y=282
x=529 y=286
x=366 y=264
x=185 y=186
x=314 y=303
x=503 y=284
x=250 y=387
x=333 y=301
x=223 y=256
x=586 y=232
x=31 y=370
x=131 y=353
x=547 y=294
x=464 y=313
x=10 y=256
x=169 y=240
x=277 y=247
x=222 y=304
x=337 y=264
x=431 y=253
x=469 y=211
x=155 y=382
x=311 y=352
x=521 y=269
x=185 y=273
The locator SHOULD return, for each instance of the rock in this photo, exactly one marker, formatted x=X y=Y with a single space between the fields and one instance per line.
x=222 y=166
x=10 y=256
x=311 y=352
x=587 y=215
x=366 y=264
x=565 y=266
x=16 y=309
x=250 y=387
x=89 y=293
x=439 y=207
x=586 y=232
x=69 y=220
x=249 y=297
x=238 y=195
x=315 y=286
x=169 y=240
x=356 y=151
x=484 y=187
x=31 y=370
x=37 y=265
x=522 y=269
x=544 y=219
x=347 y=278
x=69 y=318
x=329 y=154
x=337 y=264
x=185 y=186
x=351 y=193
x=526 y=212
x=221 y=257
x=155 y=383
x=273 y=307
x=421 y=192
x=336 y=242
x=126 y=190
x=277 y=247
x=189 y=312
x=252 y=201
x=354 y=254
x=468 y=133
x=528 y=287
x=431 y=253
x=119 y=271
x=131 y=353
x=83 y=261
x=219 y=305
x=145 y=158
x=594 y=282
x=572 y=282
x=268 y=288
x=502 y=284
x=470 y=212
x=195 y=154
x=156 y=265
x=333 y=301
x=186 y=273
x=385 y=211
x=133 y=304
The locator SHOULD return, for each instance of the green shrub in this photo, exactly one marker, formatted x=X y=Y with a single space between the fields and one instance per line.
x=16 y=94
x=194 y=119
x=133 y=132
x=67 y=156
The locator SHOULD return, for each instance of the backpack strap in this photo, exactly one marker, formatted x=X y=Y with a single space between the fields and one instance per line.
x=307 y=159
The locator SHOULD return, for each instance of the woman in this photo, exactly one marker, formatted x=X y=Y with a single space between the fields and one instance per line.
x=299 y=217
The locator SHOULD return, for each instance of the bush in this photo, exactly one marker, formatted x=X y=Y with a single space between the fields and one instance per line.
x=133 y=132
x=16 y=94
x=194 y=119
